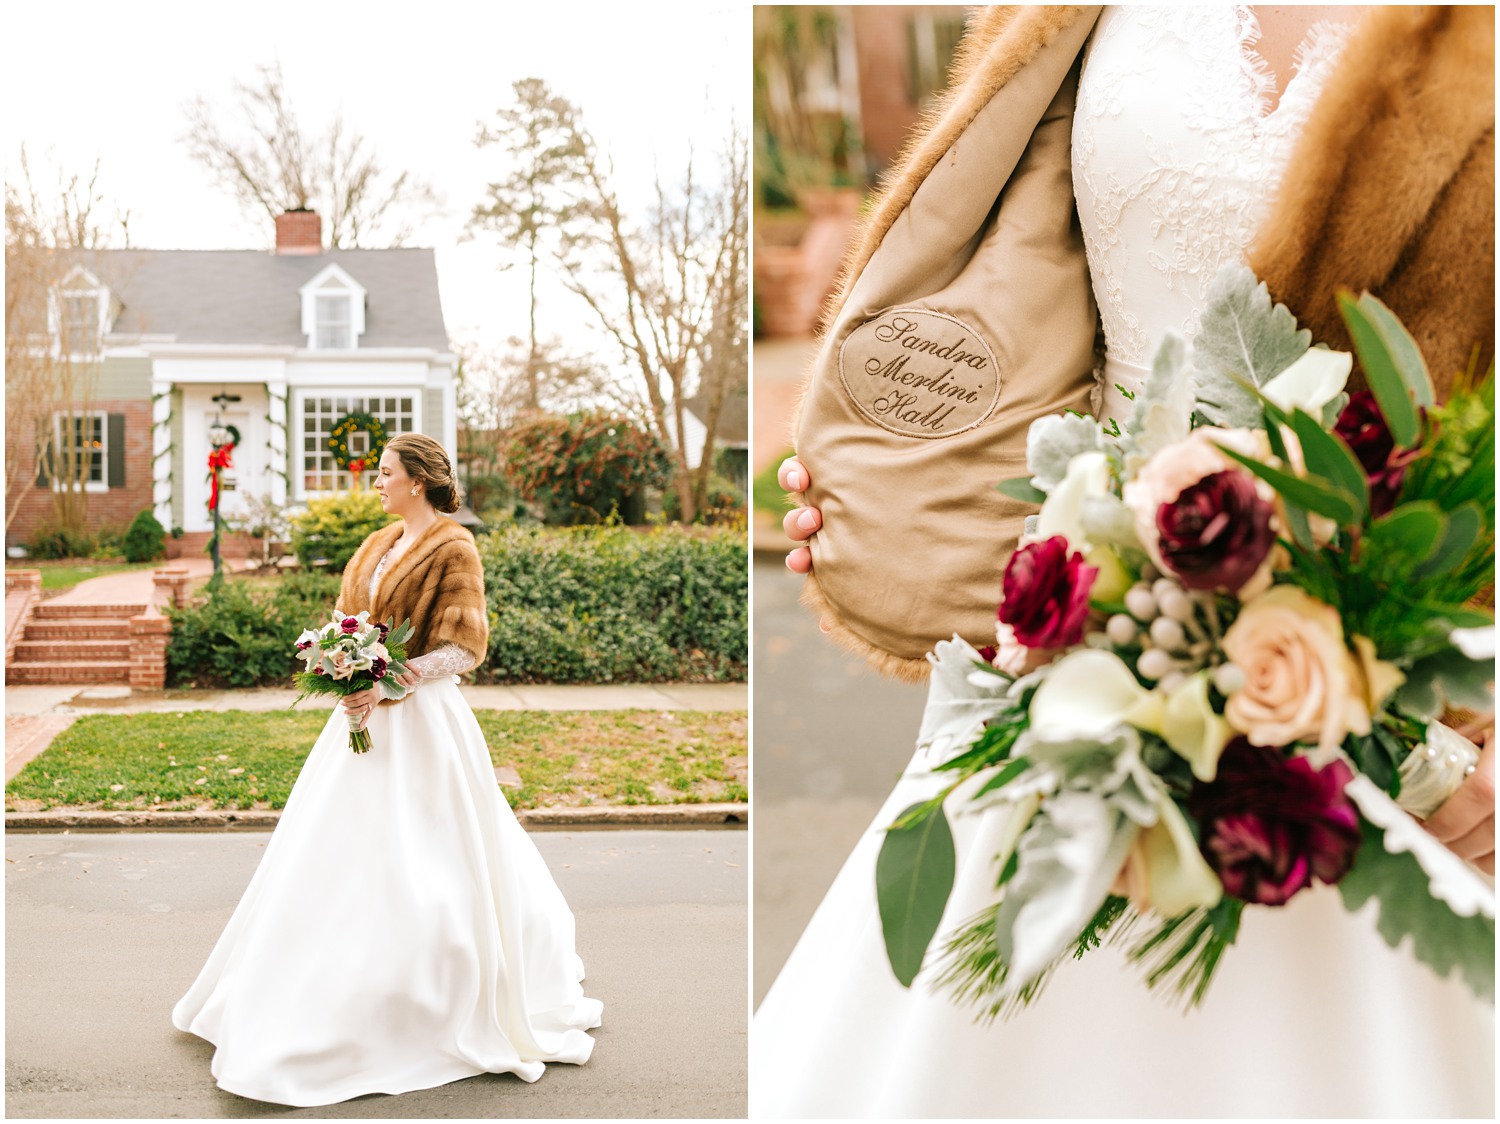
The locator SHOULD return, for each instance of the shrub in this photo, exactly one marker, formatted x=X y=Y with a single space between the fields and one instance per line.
x=243 y=635
x=582 y=467
x=146 y=538
x=603 y=604
x=331 y=529
x=51 y=540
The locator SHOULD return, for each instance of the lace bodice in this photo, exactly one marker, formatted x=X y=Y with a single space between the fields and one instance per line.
x=446 y=659
x=1176 y=159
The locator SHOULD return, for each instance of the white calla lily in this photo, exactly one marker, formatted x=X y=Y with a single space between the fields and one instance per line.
x=1062 y=514
x=1089 y=692
x=1190 y=726
x=1176 y=876
x=1311 y=382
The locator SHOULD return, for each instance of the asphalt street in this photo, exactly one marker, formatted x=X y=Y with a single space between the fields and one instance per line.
x=831 y=738
x=104 y=932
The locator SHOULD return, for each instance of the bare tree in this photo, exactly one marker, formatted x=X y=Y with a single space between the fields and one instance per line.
x=527 y=207
x=496 y=385
x=670 y=293
x=271 y=164
x=52 y=350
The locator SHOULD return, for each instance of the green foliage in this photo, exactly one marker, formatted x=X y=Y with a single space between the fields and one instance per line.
x=51 y=540
x=1392 y=363
x=582 y=467
x=609 y=604
x=146 y=539
x=331 y=529
x=913 y=878
x=243 y=634
x=766 y=491
x=1440 y=938
x=723 y=503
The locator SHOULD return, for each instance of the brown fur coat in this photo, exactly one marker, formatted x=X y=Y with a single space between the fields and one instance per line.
x=438 y=584
x=1390 y=188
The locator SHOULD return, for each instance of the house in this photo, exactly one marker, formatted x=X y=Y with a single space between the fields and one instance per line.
x=731 y=440
x=289 y=343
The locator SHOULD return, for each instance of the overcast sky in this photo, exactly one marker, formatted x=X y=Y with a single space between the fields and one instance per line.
x=89 y=79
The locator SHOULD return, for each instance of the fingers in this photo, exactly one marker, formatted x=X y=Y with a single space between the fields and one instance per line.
x=801 y=523
x=1465 y=823
x=793 y=475
x=799 y=561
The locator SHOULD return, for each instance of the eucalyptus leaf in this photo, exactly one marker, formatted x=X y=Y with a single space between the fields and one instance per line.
x=1327 y=456
x=1405 y=353
x=1312 y=495
x=1464 y=523
x=1021 y=488
x=1243 y=337
x=913 y=878
x=1405 y=538
x=1378 y=355
x=1447 y=678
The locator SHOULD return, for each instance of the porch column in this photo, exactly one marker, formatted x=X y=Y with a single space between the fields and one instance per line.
x=276 y=393
x=161 y=452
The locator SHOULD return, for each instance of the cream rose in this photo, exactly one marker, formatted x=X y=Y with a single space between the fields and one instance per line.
x=1301 y=681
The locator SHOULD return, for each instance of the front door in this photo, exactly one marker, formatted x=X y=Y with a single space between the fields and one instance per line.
x=250 y=462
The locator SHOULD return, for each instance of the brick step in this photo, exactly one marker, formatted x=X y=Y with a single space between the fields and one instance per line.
x=73 y=651
x=51 y=611
x=72 y=672
x=78 y=628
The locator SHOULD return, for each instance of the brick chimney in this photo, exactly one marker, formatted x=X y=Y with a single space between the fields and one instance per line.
x=299 y=232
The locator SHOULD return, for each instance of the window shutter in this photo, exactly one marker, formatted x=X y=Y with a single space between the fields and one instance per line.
x=44 y=464
x=114 y=448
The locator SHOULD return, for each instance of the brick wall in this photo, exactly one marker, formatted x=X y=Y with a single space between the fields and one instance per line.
x=114 y=508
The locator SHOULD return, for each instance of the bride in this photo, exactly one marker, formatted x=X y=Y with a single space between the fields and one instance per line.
x=401 y=931
x=1186 y=148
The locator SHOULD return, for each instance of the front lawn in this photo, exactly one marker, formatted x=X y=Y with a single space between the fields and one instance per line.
x=68 y=572
x=240 y=759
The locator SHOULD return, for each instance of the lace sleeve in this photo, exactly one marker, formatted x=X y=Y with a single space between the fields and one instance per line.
x=448 y=659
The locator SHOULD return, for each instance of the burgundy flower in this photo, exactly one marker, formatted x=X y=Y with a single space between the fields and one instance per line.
x=377 y=668
x=1269 y=824
x=1046 y=594
x=304 y=645
x=1363 y=428
x=1216 y=533
x=385 y=629
x=349 y=624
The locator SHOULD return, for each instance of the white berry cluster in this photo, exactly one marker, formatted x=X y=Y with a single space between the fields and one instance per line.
x=1177 y=631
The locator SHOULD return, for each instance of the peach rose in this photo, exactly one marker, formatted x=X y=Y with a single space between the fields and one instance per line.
x=1302 y=683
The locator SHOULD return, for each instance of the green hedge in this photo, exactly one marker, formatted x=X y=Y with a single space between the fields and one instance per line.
x=608 y=604
x=573 y=605
x=245 y=634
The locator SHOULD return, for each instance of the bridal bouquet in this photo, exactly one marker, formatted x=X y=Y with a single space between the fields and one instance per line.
x=350 y=654
x=1222 y=650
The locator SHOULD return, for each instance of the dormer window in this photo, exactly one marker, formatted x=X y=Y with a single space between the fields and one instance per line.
x=79 y=309
x=333 y=321
x=333 y=310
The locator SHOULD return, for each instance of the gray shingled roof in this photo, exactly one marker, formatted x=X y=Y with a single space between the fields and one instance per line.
x=250 y=296
x=734 y=416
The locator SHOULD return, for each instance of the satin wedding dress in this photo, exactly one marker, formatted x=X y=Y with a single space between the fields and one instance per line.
x=1175 y=159
x=402 y=930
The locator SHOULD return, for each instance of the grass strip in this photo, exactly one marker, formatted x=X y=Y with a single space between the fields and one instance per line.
x=249 y=759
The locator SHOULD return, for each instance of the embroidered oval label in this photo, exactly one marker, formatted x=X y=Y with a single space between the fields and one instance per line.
x=920 y=373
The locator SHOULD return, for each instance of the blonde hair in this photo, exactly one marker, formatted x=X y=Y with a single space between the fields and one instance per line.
x=427 y=463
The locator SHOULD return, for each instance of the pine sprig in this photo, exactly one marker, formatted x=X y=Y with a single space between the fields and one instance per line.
x=1185 y=950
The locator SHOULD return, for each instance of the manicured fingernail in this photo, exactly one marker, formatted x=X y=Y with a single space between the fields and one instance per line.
x=807 y=520
x=794 y=480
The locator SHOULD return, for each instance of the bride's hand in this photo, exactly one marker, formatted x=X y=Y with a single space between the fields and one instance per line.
x=1465 y=824
x=802 y=522
x=359 y=705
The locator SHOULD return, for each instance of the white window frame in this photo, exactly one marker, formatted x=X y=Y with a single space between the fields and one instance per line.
x=299 y=491
x=58 y=418
x=78 y=284
x=332 y=281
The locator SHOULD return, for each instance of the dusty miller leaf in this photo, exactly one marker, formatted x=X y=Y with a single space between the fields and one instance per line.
x=1053 y=441
x=1243 y=336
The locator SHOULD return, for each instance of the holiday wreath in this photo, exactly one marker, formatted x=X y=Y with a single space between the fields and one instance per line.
x=338 y=441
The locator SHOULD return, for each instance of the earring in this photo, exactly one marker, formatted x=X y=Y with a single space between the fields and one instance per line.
x=413 y=491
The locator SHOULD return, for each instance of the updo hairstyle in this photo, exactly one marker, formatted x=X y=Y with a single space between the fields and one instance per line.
x=427 y=463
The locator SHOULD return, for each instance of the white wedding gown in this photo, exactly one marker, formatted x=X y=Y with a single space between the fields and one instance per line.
x=402 y=930
x=1311 y=1013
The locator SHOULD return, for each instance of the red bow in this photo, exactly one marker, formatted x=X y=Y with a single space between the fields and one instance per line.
x=218 y=460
